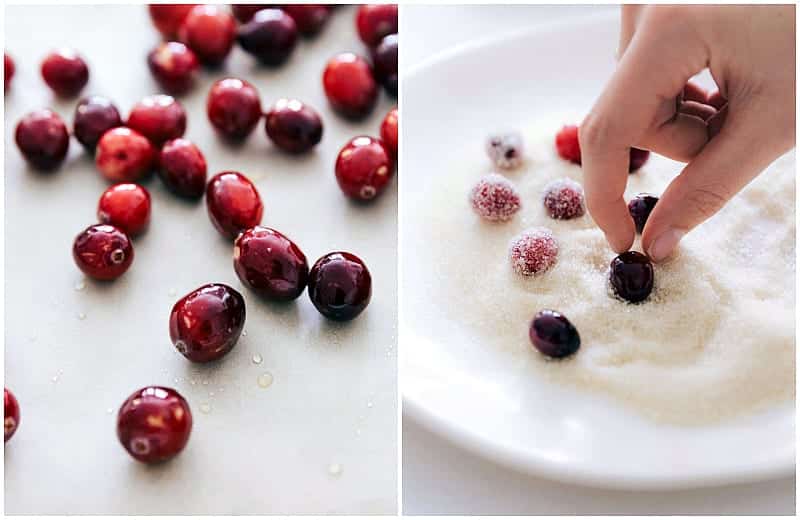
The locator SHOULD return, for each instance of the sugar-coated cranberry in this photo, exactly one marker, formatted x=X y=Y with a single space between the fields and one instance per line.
x=154 y=424
x=43 y=139
x=158 y=118
x=126 y=206
x=205 y=324
x=533 y=252
x=103 y=252
x=389 y=129
x=638 y=158
x=245 y=12
x=505 y=150
x=567 y=144
x=563 y=199
x=640 y=208
x=293 y=126
x=363 y=168
x=631 y=276
x=553 y=335
x=374 y=21
x=168 y=17
x=182 y=167
x=340 y=286
x=269 y=263
x=65 y=72
x=349 y=85
x=270 y=36
x=233 y=203
x=124 y=155
x=8 y=70
x=94 y=116
x=210 y=32
x=174 y=66
x=384 y=60
x=11 y=417
x=309 y=18
x=495 y=198
x=233 y=107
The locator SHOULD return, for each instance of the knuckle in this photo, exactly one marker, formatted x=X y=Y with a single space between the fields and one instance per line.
x=707 y=200
x=592 y=132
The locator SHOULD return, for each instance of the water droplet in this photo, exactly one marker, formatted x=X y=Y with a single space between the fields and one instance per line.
x=205 y=408
x=193 y=381
x=244 y=333
x=80 y=285
x=369 y=404
x=172 y=292
x=54 y=378
x=265 y=380
x=335 y=469
x=81 y=315
x=176 y=380
x=109 y=411
x=257 y=359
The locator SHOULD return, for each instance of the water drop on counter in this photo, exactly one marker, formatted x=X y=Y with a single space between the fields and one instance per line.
x=335 y=469
x=205 y=408
x=369 y=404
x=80 y=285
x=109 y=411
x=81 y=315
x=172 y=292
x=265 y=380
x=257 y=359
x=244 y=333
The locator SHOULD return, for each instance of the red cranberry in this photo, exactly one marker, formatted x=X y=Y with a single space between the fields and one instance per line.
x=389 y=131
x=340 y=286
x=553 y=335
x=293 y=126
x=154 y=424
x=43 y=139
x=233 y=203
x=363 y=168
x=270 y=36
x=384 y=59
x=309 y=18
x=103 y=252
x=158 y=118
x=563 y=199
x=11 y=421
x=209 y=32
x=349 y=85
x=505 y=150
x=270 y=264
x=495 y=198
x=533 y=252
x=374 y=21
x=94 y=116
x=245 y=12
x=640 y=208
x=233 y=107
x=631 y=276
x=638 y=158
x=182 y=167
x=8 y=70
x=205 y=324
x=567 y=144
x=65 y=72
x=168 y=17
x=126 y=206
x=174 y=66
x=124 y=155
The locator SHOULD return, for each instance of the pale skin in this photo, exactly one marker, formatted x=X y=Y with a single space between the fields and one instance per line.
x=726 y=137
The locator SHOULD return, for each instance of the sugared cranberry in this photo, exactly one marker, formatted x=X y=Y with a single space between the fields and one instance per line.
x=8 y=70
x=174 y=66
x=340 y=286
x=505 y=150
x=158 y=118
x=638 y=158
x=210 y=32
x=103 y=252
x=245 y=12
x=567 y=144
x=309 y=18
x=270 y=264
x=154 y=424
x=631 y=276
x=205 y=324
x=126 y=206
x=65 y=72
x=350 y=85
x=495 y=198
x=640 y=208
x=374 y=21
x=363 y=168
x=11 y=422
x=168 y=17
x=553 y=335
x=233 y=203
x=233 y=107
x=389 y=129
x=384 y=60
x=124 y=155
x=94 y=116
x=563 y=199
x=43 y=139
x=293 y=126
x=182 y=167
x=533 y=252
x=270 y=36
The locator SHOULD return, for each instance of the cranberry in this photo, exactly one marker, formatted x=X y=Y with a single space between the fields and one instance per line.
x=233 y=203
x=245 y=12
x=94 y=116
x=233 y=107
x=505 y=150
x=269 y=263
x=209 y=32
x=349 y=85
x=182 y=167
x=495 y=198
x=270 y=36
x=168 y=17
x=563 y=199
x=65 y=72
x=124 y=155
x=103 y=252
x=154 y=424
x=374 y=21
x=363 y=168
x=638 y=158
x=174 y=66
x=43 y=139
x=11 y=421
x=293 y=126
x=631 y=276
x=309 y=18
x=389 y=131
x=553 y=335
x=340 y=286
x=158 y=118
x=384 y=59
x=533 y=252
x=567 y=144
x=640 y=208
x=126 y=206
x=205 y=324
x=8 y=70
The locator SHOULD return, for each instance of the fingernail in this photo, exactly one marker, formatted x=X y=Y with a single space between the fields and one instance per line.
x=663 y=246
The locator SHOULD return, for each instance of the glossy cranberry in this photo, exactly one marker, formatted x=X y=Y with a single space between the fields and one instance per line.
x=363 y=168
x=182 y=167
x=154 y=424
x=309 y=18
x=638 y=158
x=270 y=264
x=210 y=32
x=103 y=252
x=349 y=85
x=389 y=130
x=631 y=276
x=126 y=206
x=245 y=12
x=168 y=17
x=340 y=286
x=205 y=324
x=553 y=335
x=65 y=72
x=174 y=66
x=495 y=198
x=11 y=422
x=293 y=126
x=640 y=208
x=533 y=252
x=8 y=70
x=158 y=118
x=374 y=21
x=124 y=155
x=567 y=144
x=384 y=60
x=43 y=139
x=233 y=203
x=233 y=107
x=270 y=36
x=94 y=116
x=563 y=199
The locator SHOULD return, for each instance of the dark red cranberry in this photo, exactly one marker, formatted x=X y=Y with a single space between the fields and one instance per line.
x=374 y=21
x=174 y=66
x=43 y=139
x=233 y=107
x=638 y=158
x=309 y=18
x=340 y=286
x=11 y=422
x=553 y=335
x=168 y=17
x=233 y=203
x=384 y=59
x=124 y=155
x=270 y=36
x=269 y=263
x=126 y=206
x=293 y=126
x=389 y=129
x=567 y=144
x=103 y=252
x=154 y=424
x=363 y=168
x=8 y=70
x=349 y=85
x=182 y=167
x=205 y=324
x=210 y=32
x=65 y=72
x=640 y=208
x=158 y=118
x=245 y=12
x=631 y=276
x=94 y=116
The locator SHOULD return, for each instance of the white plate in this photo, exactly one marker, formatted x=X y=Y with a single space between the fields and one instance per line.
x=485 y=400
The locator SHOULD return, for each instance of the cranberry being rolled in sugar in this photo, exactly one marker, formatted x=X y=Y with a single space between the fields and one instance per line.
x=567 y=144
x=154 y=424
x=638 y=158
x=495 y=198
x=43 y=139
x=174 y=66
x=640 y=208
x=505 y=150
x=270 y=36
x=533 y=252
x=631 y=276
x=210 y=32
x=158 y=118
x=65 y=72
x=126 y=206
x=103 y=252
x=553 y=335
x=182 y=167
x=563 y=199
x=270 y=264
x=11 y=416
x=124 y=155
x=94 y=116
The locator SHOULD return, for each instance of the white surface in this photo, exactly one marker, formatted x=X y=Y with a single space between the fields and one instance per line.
x=505 y=433
x=333 y=400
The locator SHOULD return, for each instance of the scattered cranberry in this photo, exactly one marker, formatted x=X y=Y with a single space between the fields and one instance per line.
x=158 y=118
x=270 y=264
x=567 y=144
x=389 y=131
x=340 y=286
x=205 y=324
x=43 y=139
x=94 y=116
x=210 y=32
x=363 y=168
x=233 y=107
x=533 y=252
x=126 y=206
x=631 y=276
x=11 y=421
x=638 y=158
x=309 y=18
x=553 y=335
x=103 y=252
x=182 y=167
x=495 y=198
x=233 y=203
x=350 y=85
x=168 y=17
x=270 y=36
x=563 y=199
x=293 y=126
x=8 y=70
x=505 y=150
x=640 y=208
x=374 y=21
x=124 y=155
x=384 y=59
x=65 y=72
x=245 y=12
x=154 y=424
x=174 y=66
